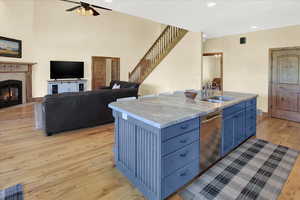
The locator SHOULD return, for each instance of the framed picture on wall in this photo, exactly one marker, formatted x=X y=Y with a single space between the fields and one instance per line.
x=10 y=47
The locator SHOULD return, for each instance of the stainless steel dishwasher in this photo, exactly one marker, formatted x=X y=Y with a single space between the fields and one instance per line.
x=210 y=139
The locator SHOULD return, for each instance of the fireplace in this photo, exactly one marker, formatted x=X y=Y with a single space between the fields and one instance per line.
x=10 y=93
x=15 y=83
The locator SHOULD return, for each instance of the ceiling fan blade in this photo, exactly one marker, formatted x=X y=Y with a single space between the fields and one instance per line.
x=71 y=1
x=101 y=7
x=95 y=13
x=74 y=8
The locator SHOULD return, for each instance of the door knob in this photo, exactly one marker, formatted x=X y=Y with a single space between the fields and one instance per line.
x=184 y=126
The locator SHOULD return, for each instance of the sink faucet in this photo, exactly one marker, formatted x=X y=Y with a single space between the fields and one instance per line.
x=203 y=91
x=207 y=90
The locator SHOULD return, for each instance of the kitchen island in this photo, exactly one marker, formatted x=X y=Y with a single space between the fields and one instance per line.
x=157 y=139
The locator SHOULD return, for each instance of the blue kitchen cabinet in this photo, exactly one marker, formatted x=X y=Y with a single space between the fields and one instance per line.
x=239 y=123
x=250 y=121
x=239 y=128
x=228 y=135
x=158 y=161
x=233 y=131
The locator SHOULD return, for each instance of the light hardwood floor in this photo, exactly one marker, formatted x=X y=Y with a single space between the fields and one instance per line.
x=79 y=164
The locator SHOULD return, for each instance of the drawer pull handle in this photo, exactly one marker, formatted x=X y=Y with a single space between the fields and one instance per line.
x=183 y=141
x=183 y=173
x=183 y=154
x=184 y=126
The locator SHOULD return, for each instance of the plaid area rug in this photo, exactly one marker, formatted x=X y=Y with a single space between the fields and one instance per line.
x=12 y=193
x=255 y=170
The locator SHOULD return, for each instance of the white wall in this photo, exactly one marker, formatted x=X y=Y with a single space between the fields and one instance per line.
x=246 y=67
x=180 y=70
x=50 y=33
x=16 y=21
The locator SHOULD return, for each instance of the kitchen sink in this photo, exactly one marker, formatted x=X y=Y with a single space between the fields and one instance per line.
x=218 y=99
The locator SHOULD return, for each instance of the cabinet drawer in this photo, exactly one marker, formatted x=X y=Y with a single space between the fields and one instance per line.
x=180 y=128
x=181 y=177
x=233 y=109
x=180 y=141
x=251 y=102
x=180 y=158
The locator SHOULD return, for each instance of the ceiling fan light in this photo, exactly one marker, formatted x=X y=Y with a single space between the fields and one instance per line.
x=84 y=12
x=78 y=11
x=85 y=9
x=90 y=12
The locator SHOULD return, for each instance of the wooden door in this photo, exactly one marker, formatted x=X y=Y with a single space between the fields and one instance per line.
x=98 y=72
x=285 y=84
x=115 y=69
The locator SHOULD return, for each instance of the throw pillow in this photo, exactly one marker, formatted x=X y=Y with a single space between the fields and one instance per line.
x=116 y=86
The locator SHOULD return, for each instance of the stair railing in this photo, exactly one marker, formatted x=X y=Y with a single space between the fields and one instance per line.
x=157 y=52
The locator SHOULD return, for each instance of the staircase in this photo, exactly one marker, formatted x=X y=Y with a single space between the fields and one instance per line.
x=167 y=40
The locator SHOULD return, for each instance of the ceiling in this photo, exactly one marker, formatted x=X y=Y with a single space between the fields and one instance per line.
x=227 y=17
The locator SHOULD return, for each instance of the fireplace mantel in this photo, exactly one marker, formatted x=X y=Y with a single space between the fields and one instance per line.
x=17 y=63
x=20 y=67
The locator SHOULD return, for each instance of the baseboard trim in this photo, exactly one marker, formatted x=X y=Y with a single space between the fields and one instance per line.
x=262 y=117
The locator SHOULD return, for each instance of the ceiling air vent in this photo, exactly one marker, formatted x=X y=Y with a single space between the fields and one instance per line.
x=243 y=40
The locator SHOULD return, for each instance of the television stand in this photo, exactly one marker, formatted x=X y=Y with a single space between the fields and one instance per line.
x=62 y=86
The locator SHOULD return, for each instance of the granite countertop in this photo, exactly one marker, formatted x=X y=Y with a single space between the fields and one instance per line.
x=169 y=109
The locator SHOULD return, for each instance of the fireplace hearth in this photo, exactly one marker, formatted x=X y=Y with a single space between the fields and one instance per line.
x=10 y=93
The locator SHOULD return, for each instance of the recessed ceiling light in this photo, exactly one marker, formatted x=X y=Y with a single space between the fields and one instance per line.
x=254 y=27
x=211 y=4
x=108 y=1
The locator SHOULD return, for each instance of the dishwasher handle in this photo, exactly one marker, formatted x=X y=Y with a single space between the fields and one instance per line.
x=209 y=119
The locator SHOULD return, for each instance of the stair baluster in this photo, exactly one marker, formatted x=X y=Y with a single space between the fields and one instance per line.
x=167 y=40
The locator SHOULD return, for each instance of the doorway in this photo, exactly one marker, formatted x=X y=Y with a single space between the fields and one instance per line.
x=104 y=70
x=212 y=70
x=284 y=84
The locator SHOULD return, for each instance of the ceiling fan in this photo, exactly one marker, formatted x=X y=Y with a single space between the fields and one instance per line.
x=85 y=9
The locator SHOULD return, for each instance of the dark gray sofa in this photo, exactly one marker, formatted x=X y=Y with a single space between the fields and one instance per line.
x=70 y=111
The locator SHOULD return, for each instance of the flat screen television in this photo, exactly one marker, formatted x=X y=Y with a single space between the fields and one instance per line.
x=65 y=69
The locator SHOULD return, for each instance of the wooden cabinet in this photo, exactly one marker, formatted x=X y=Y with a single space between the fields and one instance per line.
x=62 y=86
x=239 y=123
